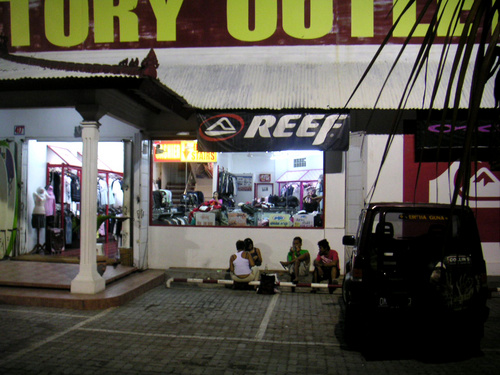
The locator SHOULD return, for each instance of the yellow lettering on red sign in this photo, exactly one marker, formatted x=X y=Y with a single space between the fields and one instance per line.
x=71 y=23
x=167 y=151
x=190 y=153
x=181 y=151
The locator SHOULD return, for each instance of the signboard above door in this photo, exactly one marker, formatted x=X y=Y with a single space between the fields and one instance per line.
x=272 y=131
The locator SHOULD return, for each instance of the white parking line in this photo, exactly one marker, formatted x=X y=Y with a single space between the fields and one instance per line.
x=36 y=345
x=211 y=338
x=31 y=312
x=267 y=316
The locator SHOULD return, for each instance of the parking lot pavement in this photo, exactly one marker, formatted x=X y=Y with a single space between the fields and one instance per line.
x=189 y=329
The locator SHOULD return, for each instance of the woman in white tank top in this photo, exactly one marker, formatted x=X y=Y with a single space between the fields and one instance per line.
x=242 y=265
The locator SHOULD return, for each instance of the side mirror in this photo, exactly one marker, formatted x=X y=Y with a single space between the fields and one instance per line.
x=348 y=240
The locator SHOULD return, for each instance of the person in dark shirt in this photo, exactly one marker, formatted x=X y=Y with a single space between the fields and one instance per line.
x=311 y=200
x=253 y=251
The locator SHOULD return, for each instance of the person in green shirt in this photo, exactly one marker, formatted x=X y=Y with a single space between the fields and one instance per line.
x=298 y=260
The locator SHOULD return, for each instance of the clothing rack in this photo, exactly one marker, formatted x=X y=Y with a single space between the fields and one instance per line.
x=65 y=170
x=226 y=183
x=302 y=178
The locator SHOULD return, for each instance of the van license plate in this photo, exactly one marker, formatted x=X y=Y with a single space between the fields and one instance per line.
x=395 y=302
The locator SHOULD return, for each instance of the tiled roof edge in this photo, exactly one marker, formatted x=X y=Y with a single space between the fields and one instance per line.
x=147 y=68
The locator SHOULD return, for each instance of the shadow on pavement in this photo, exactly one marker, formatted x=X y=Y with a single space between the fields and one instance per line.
x=401 y=342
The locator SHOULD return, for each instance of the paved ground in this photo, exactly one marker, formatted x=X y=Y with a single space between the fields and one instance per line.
x=208 y=329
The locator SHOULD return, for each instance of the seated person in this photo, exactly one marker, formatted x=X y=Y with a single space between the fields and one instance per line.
x=253 y=251
x=298 y=260
x=311 y=200
x=326 y=264
x=241 y=265
x=215 y=201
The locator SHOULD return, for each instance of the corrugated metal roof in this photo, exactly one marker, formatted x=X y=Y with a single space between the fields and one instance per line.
x=321 y=77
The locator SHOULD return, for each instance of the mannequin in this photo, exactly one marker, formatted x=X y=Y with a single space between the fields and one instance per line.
x=38 y=218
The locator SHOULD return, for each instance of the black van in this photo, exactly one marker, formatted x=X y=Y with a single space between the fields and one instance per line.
x=418 y=269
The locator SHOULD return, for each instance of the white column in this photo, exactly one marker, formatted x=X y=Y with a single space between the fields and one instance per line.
x=88 y=280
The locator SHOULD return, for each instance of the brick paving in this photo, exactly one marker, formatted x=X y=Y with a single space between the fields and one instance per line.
x=209 y=329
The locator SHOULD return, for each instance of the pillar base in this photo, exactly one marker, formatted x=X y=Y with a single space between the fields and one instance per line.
x=88 y=281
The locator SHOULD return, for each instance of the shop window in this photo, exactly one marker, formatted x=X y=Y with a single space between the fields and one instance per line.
x=259 y=189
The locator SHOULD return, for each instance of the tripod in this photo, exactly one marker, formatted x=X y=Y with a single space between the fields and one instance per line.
x=38 y=249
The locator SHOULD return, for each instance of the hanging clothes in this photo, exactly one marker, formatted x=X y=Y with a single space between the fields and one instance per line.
x=55 y=181
x=75 y=188
x=228 y=185
x=102 y=192
x=68 y=227
x=50 y=202
x=117 y=191
x=67 y=189
x=111 y=196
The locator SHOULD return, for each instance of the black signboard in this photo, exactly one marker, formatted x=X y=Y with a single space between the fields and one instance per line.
x=272 y=131
x=437 y=141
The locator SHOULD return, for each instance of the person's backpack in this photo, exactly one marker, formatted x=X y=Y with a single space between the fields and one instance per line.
x=267 y=284
x=246 y=208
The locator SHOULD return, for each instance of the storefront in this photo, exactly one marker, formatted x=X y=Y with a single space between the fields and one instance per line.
x=275 y=68
x=266 y=169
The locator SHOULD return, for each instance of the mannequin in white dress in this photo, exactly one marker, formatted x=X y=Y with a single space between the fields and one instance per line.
x=38 y=217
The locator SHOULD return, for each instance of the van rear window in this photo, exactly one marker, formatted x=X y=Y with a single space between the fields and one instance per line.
x=407 y=225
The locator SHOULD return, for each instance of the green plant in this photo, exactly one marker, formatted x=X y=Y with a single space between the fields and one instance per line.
x=100 y=219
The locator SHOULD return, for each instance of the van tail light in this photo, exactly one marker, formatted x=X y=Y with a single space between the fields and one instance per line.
x=484 y=280
x=357 y=274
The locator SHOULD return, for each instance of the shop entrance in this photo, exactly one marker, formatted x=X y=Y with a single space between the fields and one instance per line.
x=53 y=198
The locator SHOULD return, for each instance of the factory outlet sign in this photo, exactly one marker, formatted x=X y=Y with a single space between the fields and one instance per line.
x=249 y=131
x=44 y=25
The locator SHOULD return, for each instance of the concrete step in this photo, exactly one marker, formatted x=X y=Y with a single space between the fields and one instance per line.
x=220 y=274
x=116 y=294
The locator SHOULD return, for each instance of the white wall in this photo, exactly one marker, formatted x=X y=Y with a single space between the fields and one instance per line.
x=363 y=166
x=355 y=182
x=204 y=247
x=58 y=124
x=334 y=198
x=390 y=182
